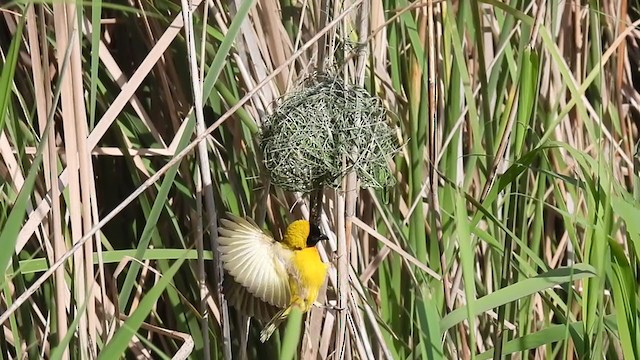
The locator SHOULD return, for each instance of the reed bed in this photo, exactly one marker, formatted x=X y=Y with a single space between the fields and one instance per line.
x=505 y=225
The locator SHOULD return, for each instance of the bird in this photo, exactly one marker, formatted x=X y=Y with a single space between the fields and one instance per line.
x=268 y=277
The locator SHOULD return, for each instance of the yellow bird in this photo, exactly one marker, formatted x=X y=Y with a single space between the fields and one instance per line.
x=272 y=275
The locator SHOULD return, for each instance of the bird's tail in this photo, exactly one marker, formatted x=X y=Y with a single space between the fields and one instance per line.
x=273 y=324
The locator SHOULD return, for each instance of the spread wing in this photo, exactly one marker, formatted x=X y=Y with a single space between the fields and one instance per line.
x=245 y=302
x=255 y=260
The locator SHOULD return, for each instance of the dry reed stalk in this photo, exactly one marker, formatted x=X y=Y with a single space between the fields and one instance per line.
x=428 y=34
x=346 y=202
x=207 y=187
x=345 y=263
x=62 y=293
x=41 y=90
x=42 y=103
x=198 y=239
x=43 y=106
x=342 y=267
x=326 y=339
x=86 y=183
x=268 y=13
x=71 y=152
x=358 y=328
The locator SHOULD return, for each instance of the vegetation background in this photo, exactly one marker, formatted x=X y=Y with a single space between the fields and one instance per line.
x=127 y=127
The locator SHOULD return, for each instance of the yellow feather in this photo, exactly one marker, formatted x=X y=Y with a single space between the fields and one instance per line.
x=296 y=235
x=311 y=274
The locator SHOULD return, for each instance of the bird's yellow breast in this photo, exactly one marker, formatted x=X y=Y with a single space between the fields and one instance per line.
x=311 y=273
x=312 y=270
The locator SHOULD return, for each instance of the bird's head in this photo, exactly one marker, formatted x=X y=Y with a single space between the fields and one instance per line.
x=301 y=234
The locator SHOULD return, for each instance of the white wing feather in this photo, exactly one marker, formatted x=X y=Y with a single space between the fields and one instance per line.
x=255 y=260
x=247 y=303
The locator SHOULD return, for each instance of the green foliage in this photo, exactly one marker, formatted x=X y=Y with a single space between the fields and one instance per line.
x=513 y=206
x=13 y=222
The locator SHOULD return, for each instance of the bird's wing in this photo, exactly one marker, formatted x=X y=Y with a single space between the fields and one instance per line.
x=255 y=260
x=247 y=303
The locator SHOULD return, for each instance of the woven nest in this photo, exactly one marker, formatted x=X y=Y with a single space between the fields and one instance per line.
x=315 y=127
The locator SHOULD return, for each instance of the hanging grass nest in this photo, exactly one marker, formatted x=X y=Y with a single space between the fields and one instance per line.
x=316 y=126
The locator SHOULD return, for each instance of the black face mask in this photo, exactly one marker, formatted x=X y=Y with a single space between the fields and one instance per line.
x=315 y=235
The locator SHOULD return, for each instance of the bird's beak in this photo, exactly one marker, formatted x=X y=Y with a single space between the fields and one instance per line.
x=315 y=235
